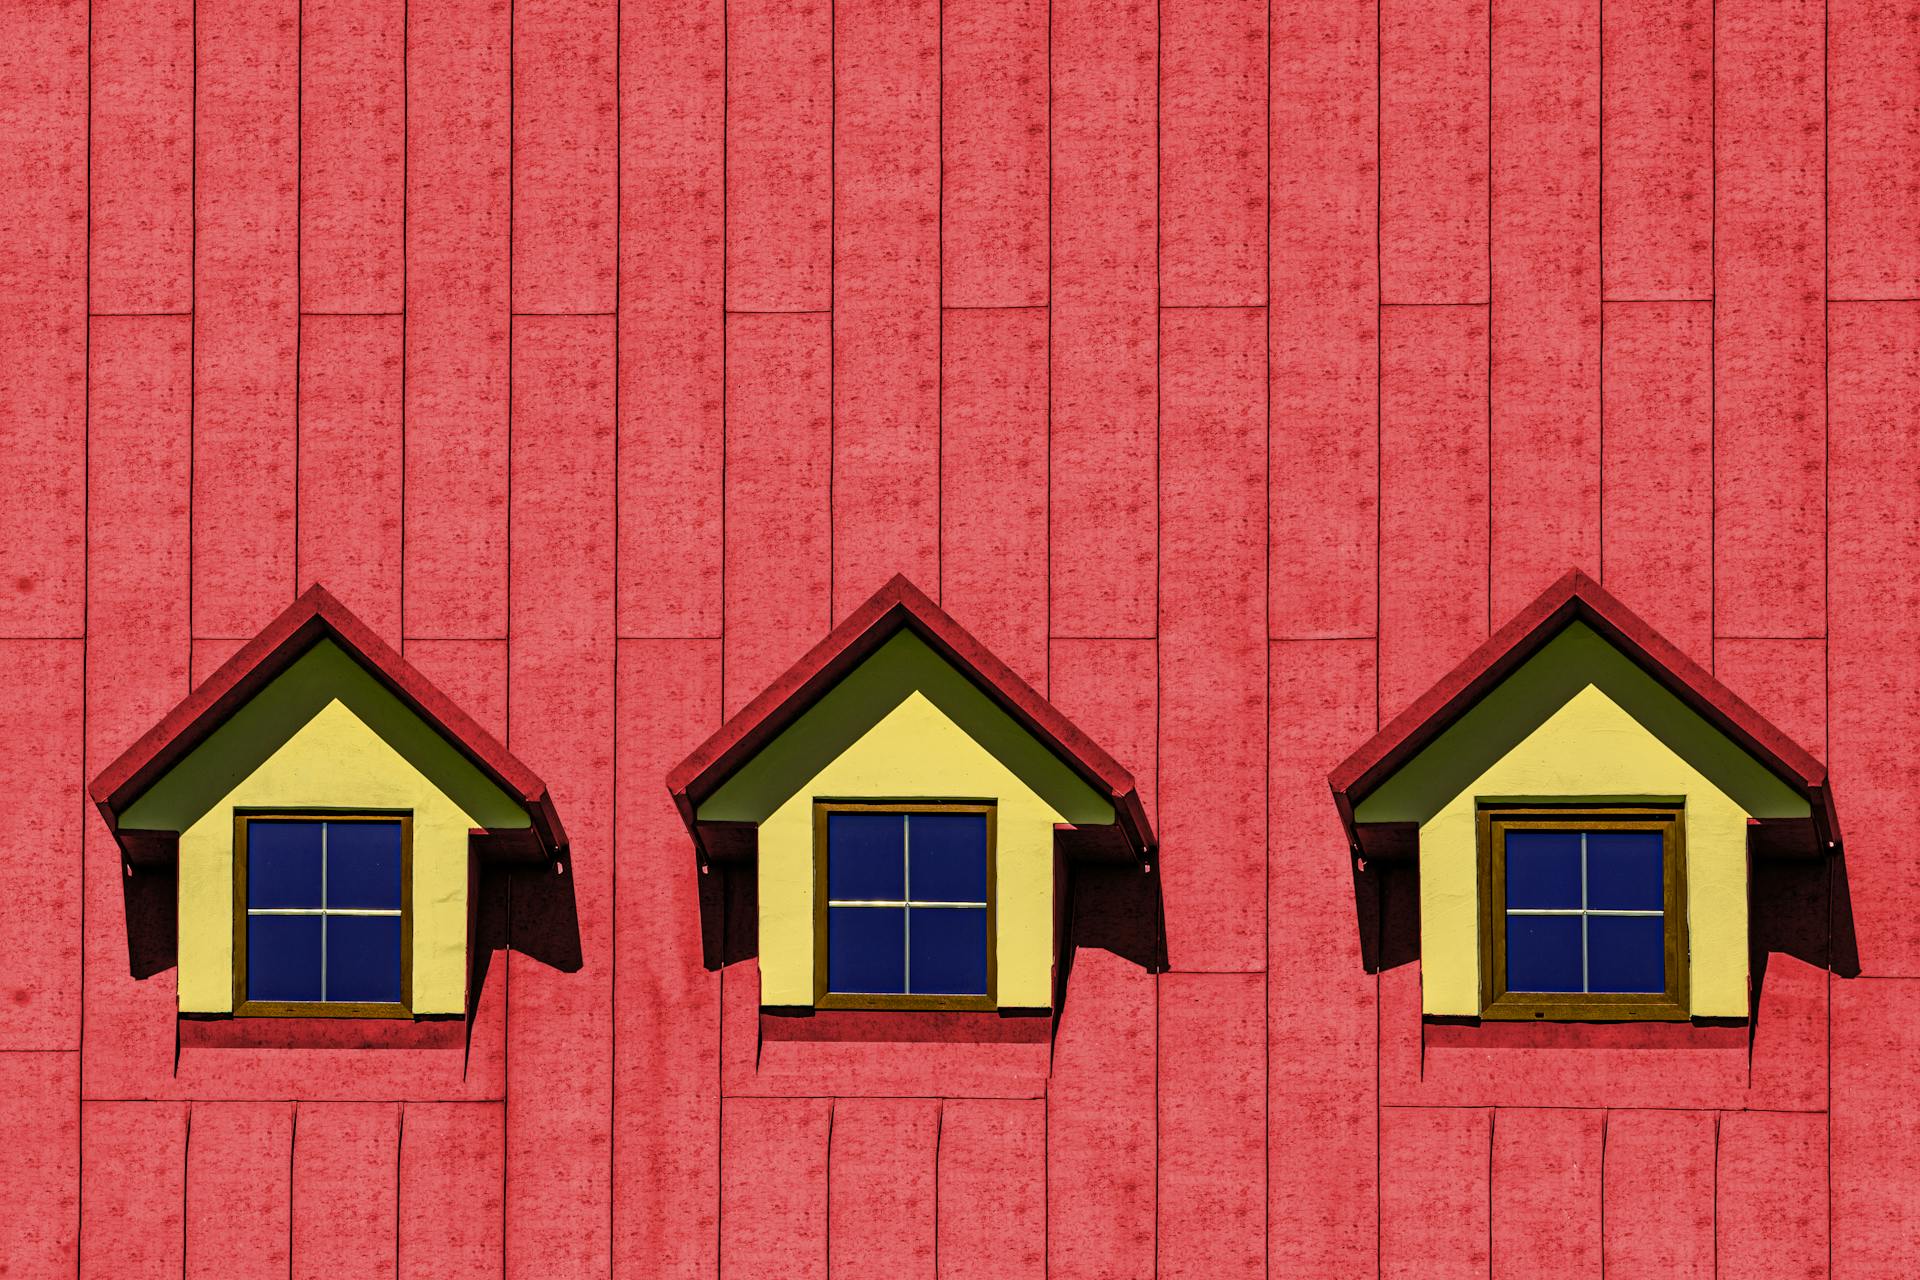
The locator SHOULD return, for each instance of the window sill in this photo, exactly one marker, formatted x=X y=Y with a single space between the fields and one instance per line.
x=322 y=1033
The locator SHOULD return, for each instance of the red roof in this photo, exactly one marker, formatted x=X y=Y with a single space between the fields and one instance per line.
x=896 y=606
x=1576 y=597
x=315 y=616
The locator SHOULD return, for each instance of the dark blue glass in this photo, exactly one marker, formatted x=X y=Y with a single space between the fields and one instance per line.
x=283 y=864
x=363 y=865
x=867 y=950
x=1626 y=953
x=949 y=857
x=1543 y=953
x=1543 y=869
x=1623 y=871
x=283 y=957
x=866 y=857
x=949 y=951
x=363 y=958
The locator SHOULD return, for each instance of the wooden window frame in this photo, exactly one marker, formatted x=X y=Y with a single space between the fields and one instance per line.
x=825 y=999
x=1498 y=1003
x=245 y=1008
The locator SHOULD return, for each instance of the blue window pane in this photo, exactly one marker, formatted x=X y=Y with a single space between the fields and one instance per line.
x=867 y=949
x=1626 y=953
x=363 y=865
x=949 y=951
x=1543 y=869
x=866 y=857
x=283 y=864
x=1623 y=871
x=949 y=853
x=283 y=957
x=363 y=958
x=1543 y=953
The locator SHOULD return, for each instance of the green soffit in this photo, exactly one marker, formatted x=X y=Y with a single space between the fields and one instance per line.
x=324 y=674
x=864 y=697
x=1521 y=703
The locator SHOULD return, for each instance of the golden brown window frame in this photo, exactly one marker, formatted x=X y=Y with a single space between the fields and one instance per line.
x=825 y=999
x=245 y=1008
x=1499 y=1004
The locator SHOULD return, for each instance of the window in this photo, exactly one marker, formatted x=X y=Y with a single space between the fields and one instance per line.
x=322 y=924
x=1583 y=913
x=905 y=915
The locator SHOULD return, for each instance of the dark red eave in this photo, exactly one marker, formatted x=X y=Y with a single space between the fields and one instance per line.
x=896 y=605
x=1573 y=597
x=315 y=615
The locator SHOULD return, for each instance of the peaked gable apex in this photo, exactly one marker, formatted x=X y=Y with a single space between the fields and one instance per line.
x=900 y=606
x=1577 y=599
x=313 y=619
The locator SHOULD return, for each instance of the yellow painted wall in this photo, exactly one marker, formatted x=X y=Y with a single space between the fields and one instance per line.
x=907 y=726
x=1592 y=749
x=324 y=735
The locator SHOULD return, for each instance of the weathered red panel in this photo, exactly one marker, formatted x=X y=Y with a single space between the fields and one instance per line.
x=40 y=1117
x=1213 y=153
x=993 y=153
x=1770 y=1197
x=1657 y=153
x=1435 y=1169
x=1787 y=679
x=1656 y=519
x=1546 y=1193
x=471 y=672
x=456 y=412
x=881 y=1180
x=564 y=155
x=1323 y=342
x=1874 y=711
x=245 y=326
x=140 y=161
x=992 y=1207
x=1104 y=235
x=773 y=1186
x=993 y=483
x=1660 y=1193
x=779 y=186
x=1545 y=395
x=672 y=335
x=1769 y=446
x=1434 y=121
x=1433 y=495
x=353 y=148
x=1873 y=152
x=562 y=663
x=1323 y=1205
x=41 y=763
x=779 y=471
x=133 y=1156
x=239 y=1170
x=43 y=316
x=351 y=459
x=452 y=1178
x=1212 y=1129
x=886 y=296
x=346 y=1190
x=1213 y=493
x=1876 y=1128
x=666 y=1007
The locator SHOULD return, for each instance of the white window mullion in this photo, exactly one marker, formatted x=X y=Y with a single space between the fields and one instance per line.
x=323 y=911
x=906 y=911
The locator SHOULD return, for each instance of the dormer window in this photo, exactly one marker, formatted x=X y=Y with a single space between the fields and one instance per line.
x=908 y=906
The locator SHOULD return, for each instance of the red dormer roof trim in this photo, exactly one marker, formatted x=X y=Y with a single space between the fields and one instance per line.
x=1576 y=597
x=896 y=606
x=314 y=616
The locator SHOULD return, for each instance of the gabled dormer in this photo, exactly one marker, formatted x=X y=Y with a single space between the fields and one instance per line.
x=323 y=805
x=1582 y=800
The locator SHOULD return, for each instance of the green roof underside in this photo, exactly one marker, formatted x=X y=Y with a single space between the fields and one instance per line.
x=1521 y=703
x=324 y=674
x=864 y=697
